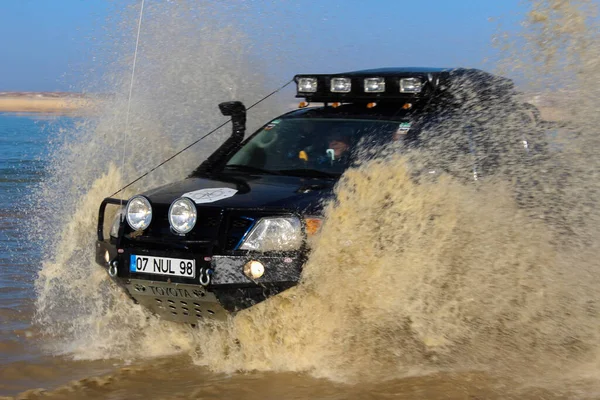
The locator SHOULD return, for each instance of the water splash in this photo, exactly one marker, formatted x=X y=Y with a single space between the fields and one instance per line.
x=191 y=58
x=421 y=277
x=410 y=278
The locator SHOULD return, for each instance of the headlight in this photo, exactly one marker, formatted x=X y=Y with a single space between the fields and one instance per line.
x=114 y=228
x=274 y=234
x=139 y=213
x=182 y=215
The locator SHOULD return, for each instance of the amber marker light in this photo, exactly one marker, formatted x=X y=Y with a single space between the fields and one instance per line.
x=303 y=104
x=336 y=104
x=371 y=105
x=312 y=225
x=407 y=106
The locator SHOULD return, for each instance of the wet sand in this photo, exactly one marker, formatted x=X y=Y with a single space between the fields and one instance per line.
x=178 y=378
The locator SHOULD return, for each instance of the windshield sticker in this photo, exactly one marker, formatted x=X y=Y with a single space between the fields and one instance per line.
x=403 y=128
x=210 y=195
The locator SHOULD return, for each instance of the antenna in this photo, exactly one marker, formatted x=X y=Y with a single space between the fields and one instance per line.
x=137 y=42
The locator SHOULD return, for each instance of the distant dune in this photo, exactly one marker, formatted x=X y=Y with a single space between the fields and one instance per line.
x=47 y=102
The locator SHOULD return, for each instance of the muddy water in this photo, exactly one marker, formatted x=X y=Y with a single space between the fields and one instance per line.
x=437 y=288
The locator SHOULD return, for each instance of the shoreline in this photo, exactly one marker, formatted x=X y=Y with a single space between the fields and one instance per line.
x=57 y=103
x=72 y=103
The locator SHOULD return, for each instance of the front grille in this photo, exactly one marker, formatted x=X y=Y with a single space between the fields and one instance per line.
x=159 y=235
x=210 y=222
x=215 y=229
x=239 y=223
x=237 y=228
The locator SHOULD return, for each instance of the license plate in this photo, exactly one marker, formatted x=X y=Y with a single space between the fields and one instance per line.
x=163 y=266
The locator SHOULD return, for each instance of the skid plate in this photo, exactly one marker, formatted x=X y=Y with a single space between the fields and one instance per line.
x=176 y=301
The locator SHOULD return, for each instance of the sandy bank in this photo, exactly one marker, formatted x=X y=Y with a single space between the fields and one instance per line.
x=54 y=103
x=549 y=105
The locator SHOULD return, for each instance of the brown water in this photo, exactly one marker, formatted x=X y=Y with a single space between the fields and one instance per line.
x=437 y=289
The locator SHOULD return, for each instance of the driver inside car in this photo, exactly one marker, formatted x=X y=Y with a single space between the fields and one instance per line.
x=338 y=145
x=334 y=152
x=338 y=148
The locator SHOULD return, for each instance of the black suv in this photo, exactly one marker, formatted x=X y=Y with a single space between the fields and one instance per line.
x=234 y=232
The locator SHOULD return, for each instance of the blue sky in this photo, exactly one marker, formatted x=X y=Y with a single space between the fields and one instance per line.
x=49 y=45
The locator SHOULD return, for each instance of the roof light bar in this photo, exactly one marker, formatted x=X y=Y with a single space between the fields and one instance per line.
x=374 y=85
x=307 y=85
x=378 y=85
x=341 y=85
x=411 y=85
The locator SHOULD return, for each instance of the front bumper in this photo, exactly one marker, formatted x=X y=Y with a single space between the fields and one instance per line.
x=186 y=300
x=189 y=300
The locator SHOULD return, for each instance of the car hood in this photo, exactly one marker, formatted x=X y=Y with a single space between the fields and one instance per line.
x=249 y=191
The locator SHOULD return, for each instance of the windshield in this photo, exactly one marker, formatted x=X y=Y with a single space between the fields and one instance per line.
x=315 y=146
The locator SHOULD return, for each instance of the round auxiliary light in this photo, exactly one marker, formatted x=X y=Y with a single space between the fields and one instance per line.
x=254 y=269
x=182 y=215
x=138 y=213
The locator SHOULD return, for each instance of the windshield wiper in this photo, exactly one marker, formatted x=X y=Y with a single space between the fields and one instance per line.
x=313 y=173
x=248 y=168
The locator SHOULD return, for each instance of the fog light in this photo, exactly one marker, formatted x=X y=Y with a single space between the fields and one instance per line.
x=254 y=269
x=107 y=256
